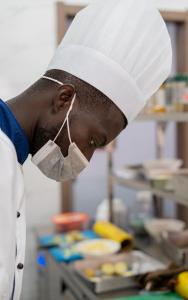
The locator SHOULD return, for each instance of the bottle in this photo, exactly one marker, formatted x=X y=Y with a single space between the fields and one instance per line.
x=170 y=95
x=181 y=90
x=141 y=212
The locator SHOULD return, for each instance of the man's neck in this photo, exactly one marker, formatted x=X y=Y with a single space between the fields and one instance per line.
x=23 y=113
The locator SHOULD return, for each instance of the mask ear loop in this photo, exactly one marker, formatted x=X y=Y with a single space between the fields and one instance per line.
x=68 y=129
x=53 y=79
x=66 y=120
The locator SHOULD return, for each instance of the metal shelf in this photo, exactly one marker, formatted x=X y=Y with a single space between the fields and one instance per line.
x=144 y=185
x=164 y=117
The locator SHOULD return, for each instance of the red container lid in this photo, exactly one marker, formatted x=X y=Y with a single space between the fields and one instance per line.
x=70 y=218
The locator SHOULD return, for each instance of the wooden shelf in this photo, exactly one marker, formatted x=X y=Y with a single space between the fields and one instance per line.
x=174 y=16
x=142 y=185
x=164 y=117
x=72 y=8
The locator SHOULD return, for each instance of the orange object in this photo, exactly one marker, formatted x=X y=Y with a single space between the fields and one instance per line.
x=159 y=109
x=70 y=221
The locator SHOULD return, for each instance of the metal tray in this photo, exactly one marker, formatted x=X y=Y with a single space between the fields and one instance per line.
x=142 y=265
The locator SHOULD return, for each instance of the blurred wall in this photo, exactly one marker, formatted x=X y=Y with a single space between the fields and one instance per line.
x=27 y=34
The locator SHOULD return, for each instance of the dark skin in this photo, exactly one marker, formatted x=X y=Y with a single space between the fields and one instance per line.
x=41 y=114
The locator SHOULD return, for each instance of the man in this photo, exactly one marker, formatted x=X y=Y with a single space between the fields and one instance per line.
x=115 y=55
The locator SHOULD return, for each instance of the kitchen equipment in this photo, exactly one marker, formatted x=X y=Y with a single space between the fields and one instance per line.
x=97 y=247
x=165 y=167
x=141 y=212
x=137 y=263
x=156 y=227
x=120 y=212
x=130 y=172
x=171 y=249
x=162 y=182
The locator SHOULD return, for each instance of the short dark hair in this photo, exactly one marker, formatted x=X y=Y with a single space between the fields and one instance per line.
x=89 y=97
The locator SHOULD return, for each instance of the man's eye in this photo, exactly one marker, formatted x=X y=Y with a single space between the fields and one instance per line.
x=92 y=143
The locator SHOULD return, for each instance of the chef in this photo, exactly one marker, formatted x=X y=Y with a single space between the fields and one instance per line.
x=115 y=55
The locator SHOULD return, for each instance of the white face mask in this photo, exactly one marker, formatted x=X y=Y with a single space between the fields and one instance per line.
x=50 y=160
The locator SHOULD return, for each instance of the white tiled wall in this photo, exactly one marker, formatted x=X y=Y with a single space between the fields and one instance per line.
x=27 y=41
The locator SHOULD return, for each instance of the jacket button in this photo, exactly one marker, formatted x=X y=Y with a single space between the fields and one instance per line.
x=18 y=214
x=20 y=266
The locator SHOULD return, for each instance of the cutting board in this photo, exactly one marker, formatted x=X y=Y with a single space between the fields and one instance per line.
x=153 y=296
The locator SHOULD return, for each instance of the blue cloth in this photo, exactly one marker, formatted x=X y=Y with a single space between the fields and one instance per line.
x=61 y=248
x=65 y=255
x=10 y=126
x=53 y=240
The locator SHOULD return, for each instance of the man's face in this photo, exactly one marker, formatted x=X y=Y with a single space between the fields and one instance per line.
x=89 y=129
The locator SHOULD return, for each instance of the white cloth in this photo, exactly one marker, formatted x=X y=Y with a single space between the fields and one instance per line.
x=121 y=47
x=12 y=228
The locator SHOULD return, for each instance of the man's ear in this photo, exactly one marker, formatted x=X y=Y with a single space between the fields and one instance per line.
x=63 y=97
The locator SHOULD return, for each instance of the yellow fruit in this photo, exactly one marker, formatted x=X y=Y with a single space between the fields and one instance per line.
x=182 y=285
x=107 y=269
x=120 y=268
x=159 y=109
x=89 y=273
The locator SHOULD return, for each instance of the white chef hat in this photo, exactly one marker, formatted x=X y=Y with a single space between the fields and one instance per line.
x=121 y=47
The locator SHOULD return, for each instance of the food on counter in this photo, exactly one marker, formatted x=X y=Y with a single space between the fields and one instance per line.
x=115 y=272
x=110 y=231
x=159 y=109
x=97 y=247
x=107 y=269
x=89 y=273
x=120 y=268
x=75 y=236
x=182 y=285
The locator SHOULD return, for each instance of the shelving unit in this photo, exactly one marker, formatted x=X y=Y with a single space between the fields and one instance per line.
x=144 y=185
x=162 y=120
x=177 y=117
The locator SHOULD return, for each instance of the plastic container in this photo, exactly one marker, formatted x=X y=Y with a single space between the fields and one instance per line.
x=157 y=227
x=120 y=212
x=180 y=183
x=181 y=90
x=170 y=93
x=141 y=212
x=70 y=221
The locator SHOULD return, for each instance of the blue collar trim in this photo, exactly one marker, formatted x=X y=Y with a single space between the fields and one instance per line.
x=10 y=126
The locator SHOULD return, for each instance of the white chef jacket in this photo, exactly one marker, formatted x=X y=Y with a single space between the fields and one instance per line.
x=12 y=221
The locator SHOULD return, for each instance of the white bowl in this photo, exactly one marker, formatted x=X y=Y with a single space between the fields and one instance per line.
x=166 y=167
x=97 y=247
x=157 y=227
